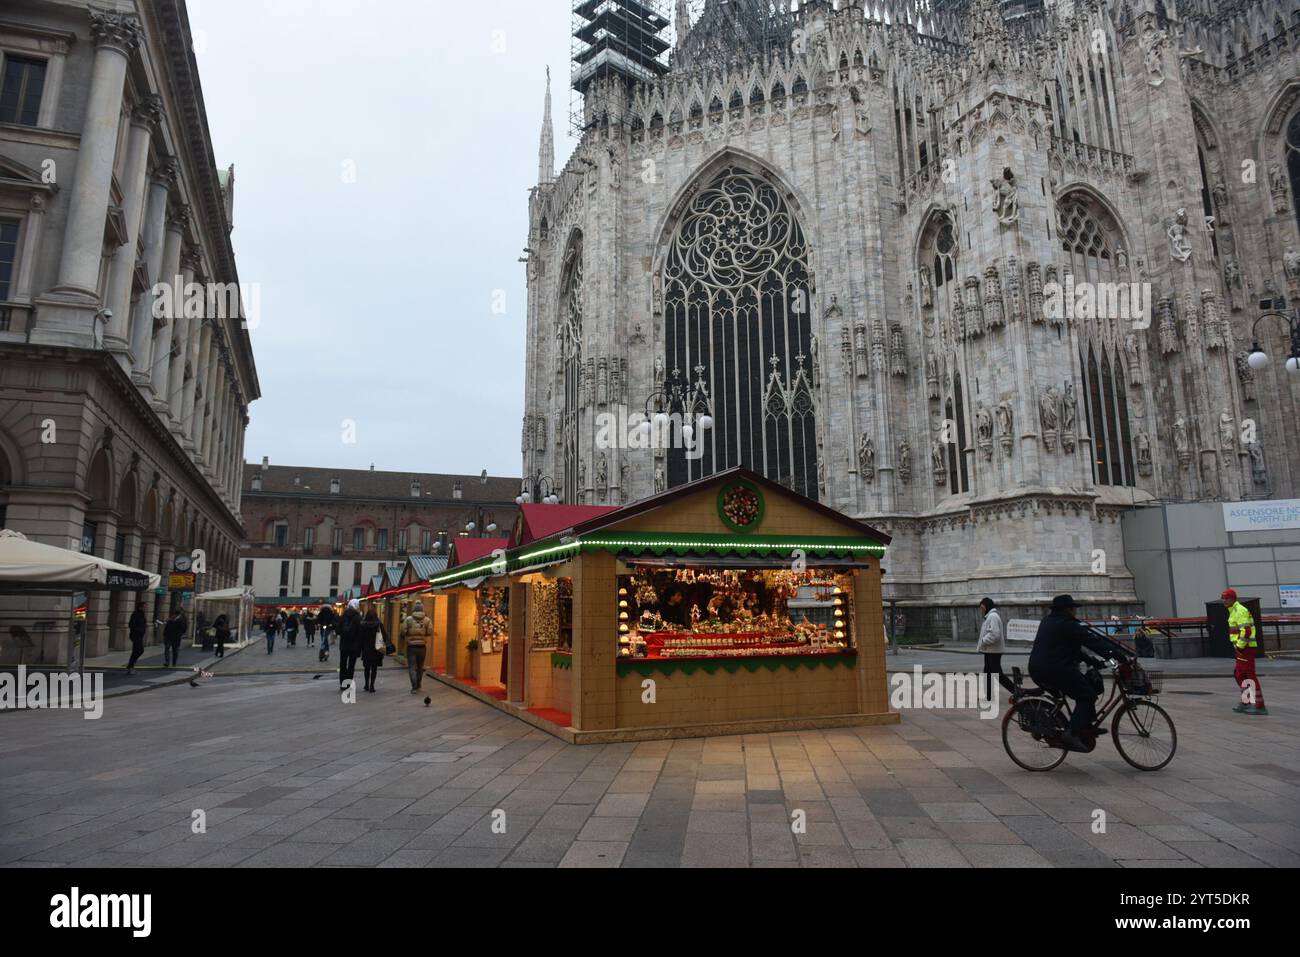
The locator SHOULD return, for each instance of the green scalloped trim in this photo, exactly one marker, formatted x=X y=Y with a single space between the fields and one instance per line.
x=645 y=668
x=562 y=661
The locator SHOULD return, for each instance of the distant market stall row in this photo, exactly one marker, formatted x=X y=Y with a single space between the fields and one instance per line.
x=720 y=607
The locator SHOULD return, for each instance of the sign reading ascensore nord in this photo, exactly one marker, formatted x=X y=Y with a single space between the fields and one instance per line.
x=1261 y=516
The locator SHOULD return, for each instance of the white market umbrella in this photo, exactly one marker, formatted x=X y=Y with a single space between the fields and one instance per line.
x=24 y=562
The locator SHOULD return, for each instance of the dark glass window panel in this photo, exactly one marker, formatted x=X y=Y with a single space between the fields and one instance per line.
x=20 y=95
x=1112 y=421
x=1124 y=428
x=8 y=255
x=1098 y=417
x=954 y=478
x=1087 y=411
x=1293 y=161
x=961 y=433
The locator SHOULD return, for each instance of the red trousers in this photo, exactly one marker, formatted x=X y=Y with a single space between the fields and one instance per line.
x=1247 y=680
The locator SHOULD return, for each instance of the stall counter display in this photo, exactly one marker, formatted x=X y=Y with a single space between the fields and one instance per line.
x=694 y=613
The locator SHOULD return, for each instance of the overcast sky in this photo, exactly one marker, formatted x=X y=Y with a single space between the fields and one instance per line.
x=377 y=295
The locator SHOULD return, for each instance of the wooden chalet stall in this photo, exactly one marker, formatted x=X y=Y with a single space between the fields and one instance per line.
x=725 y=606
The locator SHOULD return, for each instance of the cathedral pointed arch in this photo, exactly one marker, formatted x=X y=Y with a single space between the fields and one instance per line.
x=737 y=321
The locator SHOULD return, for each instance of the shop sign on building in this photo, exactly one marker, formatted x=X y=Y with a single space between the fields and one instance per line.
x=1290 y=596
x=180 y=582
x=1261 y=516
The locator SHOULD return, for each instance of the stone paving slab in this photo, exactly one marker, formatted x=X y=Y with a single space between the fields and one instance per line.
x=288 y=775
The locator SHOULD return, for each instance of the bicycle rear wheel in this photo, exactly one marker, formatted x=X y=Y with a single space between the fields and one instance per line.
x=1031 y=734
x=1144 y=735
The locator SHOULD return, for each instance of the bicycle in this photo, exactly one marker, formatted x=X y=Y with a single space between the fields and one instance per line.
x=1143 y=732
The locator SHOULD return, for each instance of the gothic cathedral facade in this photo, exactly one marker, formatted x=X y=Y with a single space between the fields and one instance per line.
x=983 y=274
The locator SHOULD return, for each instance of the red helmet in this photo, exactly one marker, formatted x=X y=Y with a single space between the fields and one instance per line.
x=1229 y=596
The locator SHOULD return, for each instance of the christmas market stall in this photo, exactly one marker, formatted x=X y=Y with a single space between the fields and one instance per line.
x=725 y=606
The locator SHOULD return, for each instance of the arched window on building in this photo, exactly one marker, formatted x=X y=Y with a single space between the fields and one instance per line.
x=569 y=333
x=1293 y=162
x=1092 y=238
x=737 y=327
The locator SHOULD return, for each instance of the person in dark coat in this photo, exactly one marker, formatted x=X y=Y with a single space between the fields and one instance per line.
x=1054 y=664
x=349 y=643
x=374 y=641
x=136 y=629
x=173 y=632
x=271 y=626
x=309 y=627
x=291 y=626
x=221 y=627
x=327 y=620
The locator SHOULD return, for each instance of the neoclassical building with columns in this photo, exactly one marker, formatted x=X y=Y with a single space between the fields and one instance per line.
x=121 y=423
x=841 y=230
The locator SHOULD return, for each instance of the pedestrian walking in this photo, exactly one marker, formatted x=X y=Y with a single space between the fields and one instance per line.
x=1242 y=634
x=221 y=629
x=173 y=632
x=374 y=645
x=291 y=626
x=272 y=623
x=349 y=643
x=136 y=628
x=992 y=644
x=327 y=620
x=417 y=629
x=309 y=628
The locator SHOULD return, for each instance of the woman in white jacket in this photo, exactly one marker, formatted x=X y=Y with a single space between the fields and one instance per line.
x=992 y=644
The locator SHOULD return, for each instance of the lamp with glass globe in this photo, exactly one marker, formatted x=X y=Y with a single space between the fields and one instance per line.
x=1258 y=358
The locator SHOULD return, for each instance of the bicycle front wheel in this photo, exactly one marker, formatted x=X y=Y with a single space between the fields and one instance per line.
x=1031 y=734
x=1144 y=735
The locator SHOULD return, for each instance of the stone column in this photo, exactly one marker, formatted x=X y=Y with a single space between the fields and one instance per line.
x=193 y=407
x=199 y=338
x=149 y=562
x=123 y=603
x=142 y=319
x=144 y=118
x=164 y=350
x=67 y=314
x=184 y=327
x=22 y=288
x=210 y=403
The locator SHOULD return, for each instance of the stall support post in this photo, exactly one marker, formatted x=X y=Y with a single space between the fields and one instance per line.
x=595 y=643
x=868 y=612
x=518 y=651
x=892 y=626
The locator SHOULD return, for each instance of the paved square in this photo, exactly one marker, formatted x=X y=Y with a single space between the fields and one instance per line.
x=286 y=774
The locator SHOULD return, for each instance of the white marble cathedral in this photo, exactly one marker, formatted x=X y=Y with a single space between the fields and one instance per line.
x=838 y=230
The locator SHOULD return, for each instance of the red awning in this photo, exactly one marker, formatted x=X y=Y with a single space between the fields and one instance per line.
x=466 y=550
x=541 y=521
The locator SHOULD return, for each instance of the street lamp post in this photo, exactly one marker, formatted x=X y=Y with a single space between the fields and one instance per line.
x=692 y=405
x=1258 y=358
x=540 y=488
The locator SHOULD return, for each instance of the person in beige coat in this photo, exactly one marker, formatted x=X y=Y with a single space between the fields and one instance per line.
x=417 y=629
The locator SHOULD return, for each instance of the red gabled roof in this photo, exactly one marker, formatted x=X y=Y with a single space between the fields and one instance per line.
x=466 y=550
x=542 y=521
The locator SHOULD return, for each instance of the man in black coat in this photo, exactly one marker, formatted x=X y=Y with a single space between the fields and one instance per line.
x=173 y=632
x=136 y=629
x=349 y=642
x=1054 y=664
x=327 y=621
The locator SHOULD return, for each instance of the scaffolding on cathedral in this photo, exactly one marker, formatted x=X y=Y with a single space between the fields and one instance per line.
x=616 y=38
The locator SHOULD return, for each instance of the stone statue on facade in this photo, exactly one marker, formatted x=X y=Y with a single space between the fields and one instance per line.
x=1232 y=282
x=1048 y=416
x=1291 y=261
x=1134 y=356
x=984 y=430
x=867 y=458
x=661 y=481
x=1069 y=416
x=932 y=375
x=1182 y=444
x=1143 y=454
x=1247 y=377
x=1153 y=44
x=1259 y=471
x=905 y=462
x=1006 y=198
x=1180 y=243
x=937 y=452
x=1227 y=432
x=927 y=288
x=1006 y=423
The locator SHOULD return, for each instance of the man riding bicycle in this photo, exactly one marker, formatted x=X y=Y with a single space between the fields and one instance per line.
x=1054 y=665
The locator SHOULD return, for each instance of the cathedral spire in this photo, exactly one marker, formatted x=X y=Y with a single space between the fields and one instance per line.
x=546 y=150
x=681 y=23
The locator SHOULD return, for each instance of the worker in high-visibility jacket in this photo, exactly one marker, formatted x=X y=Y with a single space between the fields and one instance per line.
x=1243 y=635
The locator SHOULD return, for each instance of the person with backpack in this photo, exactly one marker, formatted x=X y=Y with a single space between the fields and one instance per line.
x=136 y=629
x=349 y=643
x=417 y=629
x=374 y=645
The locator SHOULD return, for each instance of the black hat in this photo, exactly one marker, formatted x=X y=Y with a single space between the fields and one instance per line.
x=1062 y=602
